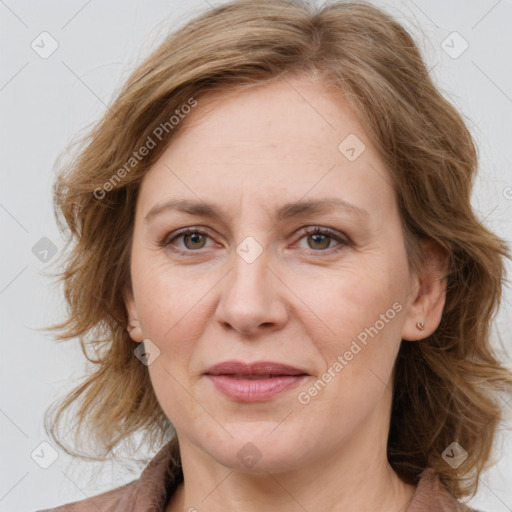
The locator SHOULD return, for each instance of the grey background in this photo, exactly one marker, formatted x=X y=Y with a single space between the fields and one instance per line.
x=44 y=102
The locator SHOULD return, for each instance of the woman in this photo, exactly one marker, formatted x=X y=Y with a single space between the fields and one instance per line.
x=276 y=262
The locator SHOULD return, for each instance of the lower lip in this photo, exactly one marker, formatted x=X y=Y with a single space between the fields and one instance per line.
x=254 y=390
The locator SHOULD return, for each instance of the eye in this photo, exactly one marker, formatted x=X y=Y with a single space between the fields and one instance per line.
x=320 y=239
x=192 y=239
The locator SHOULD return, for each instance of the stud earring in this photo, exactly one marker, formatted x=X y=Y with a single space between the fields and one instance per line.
x=420 y=326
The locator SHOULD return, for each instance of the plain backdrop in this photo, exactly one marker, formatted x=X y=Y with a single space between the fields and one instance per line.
x=46 y=99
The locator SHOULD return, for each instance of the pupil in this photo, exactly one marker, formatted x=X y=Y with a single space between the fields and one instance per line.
x=195 y=238
x=318 y=237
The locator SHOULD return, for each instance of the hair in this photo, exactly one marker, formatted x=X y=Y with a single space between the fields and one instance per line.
x=446 y=386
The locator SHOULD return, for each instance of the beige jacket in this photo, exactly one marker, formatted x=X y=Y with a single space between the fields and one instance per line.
x=152 y=491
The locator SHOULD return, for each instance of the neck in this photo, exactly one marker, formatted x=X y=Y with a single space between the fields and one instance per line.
x=358 y=482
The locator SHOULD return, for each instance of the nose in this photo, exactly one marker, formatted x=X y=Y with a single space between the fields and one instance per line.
x=253 y=298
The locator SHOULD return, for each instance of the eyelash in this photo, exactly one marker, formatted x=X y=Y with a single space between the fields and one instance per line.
x=343 y=241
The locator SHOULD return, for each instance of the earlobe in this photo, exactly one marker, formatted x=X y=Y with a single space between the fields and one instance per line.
x=134 y=329
x=426 y=309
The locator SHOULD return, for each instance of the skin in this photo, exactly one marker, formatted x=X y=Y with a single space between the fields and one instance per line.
x=301 y=302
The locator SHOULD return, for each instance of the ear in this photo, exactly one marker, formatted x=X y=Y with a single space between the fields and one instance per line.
x=134 y=329
x=428 y=292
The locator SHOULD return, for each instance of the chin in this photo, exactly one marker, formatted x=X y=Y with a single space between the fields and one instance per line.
x=258 y=454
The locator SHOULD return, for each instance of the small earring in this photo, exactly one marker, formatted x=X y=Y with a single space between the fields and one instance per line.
x=420 y=326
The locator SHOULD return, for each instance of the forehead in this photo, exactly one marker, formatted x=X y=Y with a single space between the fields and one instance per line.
x=281 y=115
x=271 y=144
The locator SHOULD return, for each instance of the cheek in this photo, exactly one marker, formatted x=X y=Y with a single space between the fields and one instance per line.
x=172 y=316
x=358 y=347
x=361 y=312
x=174 y=395
x=353 y=299
x=173 y=310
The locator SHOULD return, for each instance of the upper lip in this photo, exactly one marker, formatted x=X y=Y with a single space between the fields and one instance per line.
x=256 y=368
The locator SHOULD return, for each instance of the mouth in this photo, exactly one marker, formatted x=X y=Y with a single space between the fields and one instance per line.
x=254 y=382
x=259 y=369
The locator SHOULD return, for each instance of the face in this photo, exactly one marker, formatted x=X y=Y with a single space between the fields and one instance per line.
x=302 y=263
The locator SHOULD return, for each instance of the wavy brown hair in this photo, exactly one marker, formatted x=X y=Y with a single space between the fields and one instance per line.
x=446 y=387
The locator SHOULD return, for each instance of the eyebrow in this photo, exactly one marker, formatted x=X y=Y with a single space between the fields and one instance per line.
x=287 y=211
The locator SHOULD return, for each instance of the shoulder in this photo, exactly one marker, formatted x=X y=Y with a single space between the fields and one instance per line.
x=115 y=499
x=431 y=494
x=149 y=493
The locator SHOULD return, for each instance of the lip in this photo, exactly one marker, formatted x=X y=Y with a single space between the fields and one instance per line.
x=242 y=369
x=254 y=382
